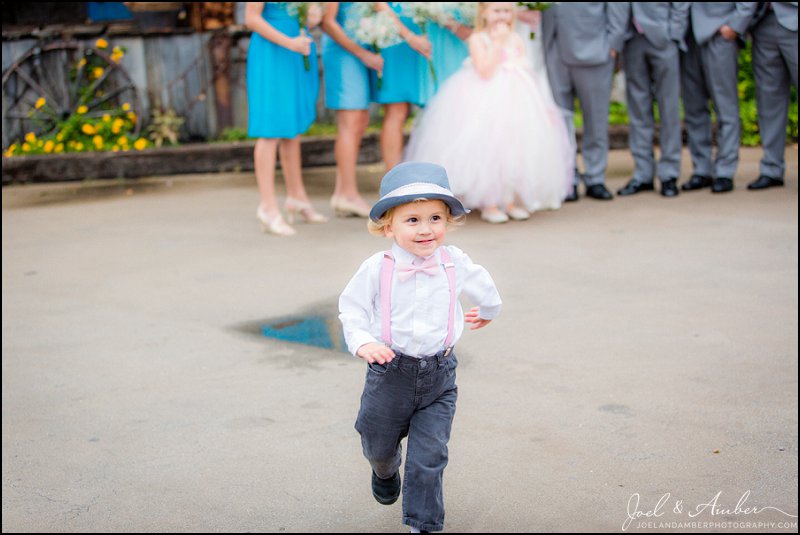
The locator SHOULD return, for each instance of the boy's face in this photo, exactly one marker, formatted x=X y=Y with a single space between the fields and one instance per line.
x=419 y=227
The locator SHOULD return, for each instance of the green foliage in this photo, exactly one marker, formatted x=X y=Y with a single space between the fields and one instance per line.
x=233 y=134
x=79 y=133
x=165 y=127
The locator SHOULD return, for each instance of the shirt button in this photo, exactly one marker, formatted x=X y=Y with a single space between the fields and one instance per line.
x=423 y=364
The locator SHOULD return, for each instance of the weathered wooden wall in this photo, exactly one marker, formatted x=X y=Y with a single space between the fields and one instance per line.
x=176 y=71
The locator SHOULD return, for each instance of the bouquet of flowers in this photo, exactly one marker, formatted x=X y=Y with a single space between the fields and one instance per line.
x=423 y=12
x=376 y=29
x=299 y=10
x=536 y=6
x=462 y=12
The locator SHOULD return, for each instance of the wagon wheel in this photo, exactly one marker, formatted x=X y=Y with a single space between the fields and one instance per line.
x=65 y=74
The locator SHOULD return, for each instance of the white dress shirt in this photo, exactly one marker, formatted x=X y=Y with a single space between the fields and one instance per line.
x=420 y=305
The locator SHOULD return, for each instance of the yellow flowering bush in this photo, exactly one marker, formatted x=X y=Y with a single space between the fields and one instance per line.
x=107 y=127
x=79 y=133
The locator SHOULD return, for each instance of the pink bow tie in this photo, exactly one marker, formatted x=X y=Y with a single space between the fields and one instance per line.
x=406 y=271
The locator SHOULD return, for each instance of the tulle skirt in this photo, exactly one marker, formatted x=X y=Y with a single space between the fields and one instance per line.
x=501 y=140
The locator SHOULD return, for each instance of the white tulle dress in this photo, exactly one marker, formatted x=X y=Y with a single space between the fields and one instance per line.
x=501 y=140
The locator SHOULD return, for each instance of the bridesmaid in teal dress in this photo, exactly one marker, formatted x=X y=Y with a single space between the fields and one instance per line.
x=281 y=97
x=347 y=90
x=449 y=52
x=401 y=86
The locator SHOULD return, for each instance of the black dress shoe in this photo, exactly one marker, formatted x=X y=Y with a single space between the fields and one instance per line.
x=598 y=191
x=721 y=185
x=763 y=182
x=572 y=196
x=634 y=186
x=669 y=187
x=696 y=182
x=386 y=491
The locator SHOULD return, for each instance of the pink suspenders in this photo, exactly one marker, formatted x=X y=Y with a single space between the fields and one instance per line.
x=387 y=270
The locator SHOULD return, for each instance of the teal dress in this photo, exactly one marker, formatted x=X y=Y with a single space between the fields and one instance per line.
x=402 y=69
x=281 y=93
x=346 y=77
x=449 y=53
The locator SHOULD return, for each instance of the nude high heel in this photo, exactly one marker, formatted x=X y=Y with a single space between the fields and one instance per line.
x=274 y=224
x=345 y=207
x=304 y=209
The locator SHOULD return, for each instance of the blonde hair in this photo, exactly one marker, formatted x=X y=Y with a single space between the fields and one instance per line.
x=379 y=228
x=480 y=25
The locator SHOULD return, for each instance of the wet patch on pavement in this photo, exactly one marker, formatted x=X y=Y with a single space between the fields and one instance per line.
x=318 y=326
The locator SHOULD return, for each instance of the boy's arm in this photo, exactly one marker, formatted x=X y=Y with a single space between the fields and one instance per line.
x=478 y=287
x=355 y=308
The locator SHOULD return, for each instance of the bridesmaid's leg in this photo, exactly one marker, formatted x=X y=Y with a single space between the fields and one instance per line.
x=291 y=164
x=296 y=197
x=394 y=120
x=351 y=125
x=264 y=157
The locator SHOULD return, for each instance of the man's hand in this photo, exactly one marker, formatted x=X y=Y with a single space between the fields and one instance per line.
x=728 y=33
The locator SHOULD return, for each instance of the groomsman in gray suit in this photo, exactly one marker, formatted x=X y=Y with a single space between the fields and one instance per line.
x=709 y=70
x=581 y=41
x=651 y=59
x=775 y=69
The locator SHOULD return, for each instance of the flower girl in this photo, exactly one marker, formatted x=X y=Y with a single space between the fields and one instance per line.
x=501 y=138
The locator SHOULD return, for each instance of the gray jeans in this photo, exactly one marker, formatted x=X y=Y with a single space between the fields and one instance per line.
x=414 y=398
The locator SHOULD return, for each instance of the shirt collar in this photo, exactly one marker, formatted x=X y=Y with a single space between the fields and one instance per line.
x=401 y=255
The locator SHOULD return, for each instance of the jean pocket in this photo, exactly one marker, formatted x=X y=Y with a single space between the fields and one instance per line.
x=378 y=369
x=450 y=365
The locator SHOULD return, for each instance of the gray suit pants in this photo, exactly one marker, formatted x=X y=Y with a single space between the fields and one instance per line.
x=775 y=68
x=652 y=71
x=710 y=72
x=592 y=85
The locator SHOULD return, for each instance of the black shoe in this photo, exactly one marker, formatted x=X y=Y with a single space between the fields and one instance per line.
x=696 y=182
x=764 y=182
x=669 y=187
x=386 y=491
x=721 y=185
x=598 y=191
x=634 y=186
x=572 y=196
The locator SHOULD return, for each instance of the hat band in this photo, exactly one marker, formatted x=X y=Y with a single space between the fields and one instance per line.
x=418 y=188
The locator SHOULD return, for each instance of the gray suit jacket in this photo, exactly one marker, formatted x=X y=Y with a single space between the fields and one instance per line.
x=708 y=17
x=576 y=29
x=785 y=12
x=661 y=22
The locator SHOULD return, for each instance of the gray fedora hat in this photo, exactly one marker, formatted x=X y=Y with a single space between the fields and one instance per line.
x=409 y=181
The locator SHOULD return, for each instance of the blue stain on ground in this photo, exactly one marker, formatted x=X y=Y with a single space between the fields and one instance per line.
x=319 y=331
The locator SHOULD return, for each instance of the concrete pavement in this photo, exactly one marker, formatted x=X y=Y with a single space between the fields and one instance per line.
x=646 y=353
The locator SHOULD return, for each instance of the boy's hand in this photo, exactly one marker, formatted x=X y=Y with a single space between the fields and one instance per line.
x=373 y=353
x=476 y=321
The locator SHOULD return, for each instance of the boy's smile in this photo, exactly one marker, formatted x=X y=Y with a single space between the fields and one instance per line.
x=419 y=227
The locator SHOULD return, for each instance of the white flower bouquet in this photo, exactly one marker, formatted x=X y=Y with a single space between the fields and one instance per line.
x=299 y=10
x=376 y=29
